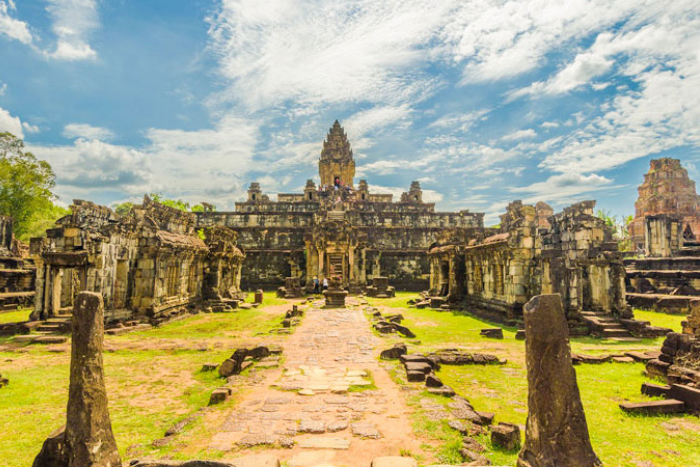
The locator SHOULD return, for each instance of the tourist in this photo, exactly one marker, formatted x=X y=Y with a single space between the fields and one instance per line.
x=317 y=286
x=325 y=283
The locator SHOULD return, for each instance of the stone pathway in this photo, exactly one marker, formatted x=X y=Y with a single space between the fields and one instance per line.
x=331 y=403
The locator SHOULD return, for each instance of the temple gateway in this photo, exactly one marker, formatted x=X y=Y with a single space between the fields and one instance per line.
x=340 y=229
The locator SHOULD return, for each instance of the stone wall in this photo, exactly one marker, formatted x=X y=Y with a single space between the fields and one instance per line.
x=16 y=272
x=150 y=263
x=576 y=258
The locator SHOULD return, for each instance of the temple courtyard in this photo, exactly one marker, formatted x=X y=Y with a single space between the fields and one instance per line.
x=323 y=396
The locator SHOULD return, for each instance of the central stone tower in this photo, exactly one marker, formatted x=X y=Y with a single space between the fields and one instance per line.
x=336 y=161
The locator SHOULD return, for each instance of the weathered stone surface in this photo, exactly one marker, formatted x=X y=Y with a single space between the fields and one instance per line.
x=655 y=390
x=394 y=461
x=654 y=407
x=248 y=461
x=492 y=333
x=88 y=437
x=432 y=381
x=54 y=452
x=507 y=436
x=556 y=432
x=394 y=353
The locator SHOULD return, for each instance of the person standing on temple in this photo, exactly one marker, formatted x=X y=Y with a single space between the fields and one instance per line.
x=325 y=283
x=317 y=286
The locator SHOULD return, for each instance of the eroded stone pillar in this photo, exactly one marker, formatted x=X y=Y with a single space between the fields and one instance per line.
x=88 y=440
x=88 y=427
x=556 y=434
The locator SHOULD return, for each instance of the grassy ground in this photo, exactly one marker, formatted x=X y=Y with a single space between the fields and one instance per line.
x=153 y=380
x=14 y=316
x=618 y=439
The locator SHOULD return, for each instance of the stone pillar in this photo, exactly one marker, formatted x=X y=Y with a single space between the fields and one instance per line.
x=556 y=432
x=88 y=427
x=88 y=440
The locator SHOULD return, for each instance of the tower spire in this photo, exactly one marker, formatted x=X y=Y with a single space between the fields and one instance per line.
x=337 y=163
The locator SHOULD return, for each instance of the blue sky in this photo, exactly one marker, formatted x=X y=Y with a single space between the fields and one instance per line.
x=482 y=101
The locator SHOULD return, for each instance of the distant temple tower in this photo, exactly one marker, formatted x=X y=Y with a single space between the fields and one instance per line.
x=667 y=189
x=336 y=158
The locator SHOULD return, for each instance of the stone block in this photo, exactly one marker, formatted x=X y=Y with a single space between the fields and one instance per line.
x=654 y=407
x=506 y=436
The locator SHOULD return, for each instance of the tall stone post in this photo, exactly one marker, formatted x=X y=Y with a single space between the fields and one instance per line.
x=88 y=427
x=88 y=440
x=556 y=434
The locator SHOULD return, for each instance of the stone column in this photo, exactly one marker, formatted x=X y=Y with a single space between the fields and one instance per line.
x=88 y=427
x=87 y=439
x=556 y=433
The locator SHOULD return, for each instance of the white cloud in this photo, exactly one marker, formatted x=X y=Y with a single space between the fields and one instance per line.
x=460 y=122
x=73 y=23
x=550 y=124
x=584 y=67
x=11 y=27
x=367 y=121
x=520 y=134
x=312 y=52
x=10 y=124
x=192 y=165
x=29 y=128
x=564 y=188
x=84 y=130
x=662 y=110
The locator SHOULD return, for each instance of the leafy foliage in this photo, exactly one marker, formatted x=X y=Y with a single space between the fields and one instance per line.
x=26 y=185
x=620 y=227
x=126 y=207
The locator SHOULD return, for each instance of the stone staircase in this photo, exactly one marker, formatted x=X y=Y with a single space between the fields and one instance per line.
x=604 y=325
x=55 y=326
x=336 y=216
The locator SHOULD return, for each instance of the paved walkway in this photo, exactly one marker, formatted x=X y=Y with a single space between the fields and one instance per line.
x=332 y=401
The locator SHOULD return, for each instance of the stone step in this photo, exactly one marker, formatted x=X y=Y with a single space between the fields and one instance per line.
x=319 y=442
x=654 y=407
x=616 y=333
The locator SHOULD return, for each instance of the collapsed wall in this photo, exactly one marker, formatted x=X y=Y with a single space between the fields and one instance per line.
x=16 y=270
x=575 y=256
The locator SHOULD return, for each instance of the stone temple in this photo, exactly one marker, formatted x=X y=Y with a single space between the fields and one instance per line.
x=340 y=228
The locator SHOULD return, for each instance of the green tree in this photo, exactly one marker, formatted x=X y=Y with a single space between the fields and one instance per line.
x=26 y=185
x=126 y=207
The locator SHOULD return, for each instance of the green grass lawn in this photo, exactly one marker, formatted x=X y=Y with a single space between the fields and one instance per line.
x=14 y=316
x=661 y=319
x=151 y=384
x=618 y=439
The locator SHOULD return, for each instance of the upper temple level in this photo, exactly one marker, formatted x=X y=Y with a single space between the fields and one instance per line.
x=337 y=191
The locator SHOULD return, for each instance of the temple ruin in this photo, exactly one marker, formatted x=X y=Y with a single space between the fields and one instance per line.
x=668 y=190
x=500 y=271
x=150 y=264
x=340 y=229
x=16 y=269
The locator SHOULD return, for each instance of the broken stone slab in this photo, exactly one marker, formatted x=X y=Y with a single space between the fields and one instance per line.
x=520 y=334
x=623 y=360
x=639 y=356
x=654 y=407
x=180 y=426
x=432 y=381
x=365 y=430
x=556 y=431
x=394 y=461
x=506 y=436
x=418 y=366
x=591 y=359
x=312 y=426
x=656 y=368
x=209 y=367
x=320 y=442
x=455 y=357
x=262 y=460
x=444 y=391
x=492 y=333
x=252 y=440
x=219 y=395
x=403 y=330
x=689 y=395
x=655 y=390
x=394 y=353
x=3 y=381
